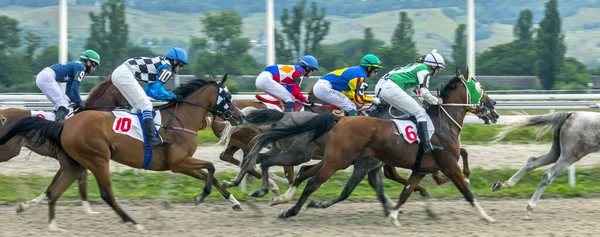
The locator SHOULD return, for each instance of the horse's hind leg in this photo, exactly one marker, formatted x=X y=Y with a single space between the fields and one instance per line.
x=362 y=166
x=83 y=193
x=189 y=166
x=413 y=181
x=532 y=163
x=70 y=171
x=269 y=159
x=305 y=172
x=102 y=173
x=391 y=173
x=556 y=170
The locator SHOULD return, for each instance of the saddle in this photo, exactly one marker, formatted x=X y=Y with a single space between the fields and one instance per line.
x=277 y=104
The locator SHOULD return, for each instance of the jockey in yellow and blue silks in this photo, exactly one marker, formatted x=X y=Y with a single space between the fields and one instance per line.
x=345 y=86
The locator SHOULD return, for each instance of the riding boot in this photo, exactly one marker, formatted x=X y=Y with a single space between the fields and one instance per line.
x=289 y=107
x=351 y=113
x=151 y=136
x=60 y=114
x=424 y=137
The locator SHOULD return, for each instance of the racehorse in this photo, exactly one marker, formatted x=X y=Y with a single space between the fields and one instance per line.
x=104 y=96
x=351 y=138
x=87 y=141
x=575 y=135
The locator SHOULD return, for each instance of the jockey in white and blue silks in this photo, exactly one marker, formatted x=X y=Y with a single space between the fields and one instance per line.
x=72 y=73
x=156 y=71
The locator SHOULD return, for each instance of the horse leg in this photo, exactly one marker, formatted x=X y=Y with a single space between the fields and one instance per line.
x=102 y=173
x=70 y=171
x=376 y=182
x=391 y=173
x=33 y=202
x=227 y=156
x=465 y=158
x=305 y=172
x=191 y=165
x=532 y=163
x=556 y=170
x=362 y=166
x=200 y=174
x=313 y=184
x=452 y=171
x=83 y=193
x=413 y=181
x=267 y=160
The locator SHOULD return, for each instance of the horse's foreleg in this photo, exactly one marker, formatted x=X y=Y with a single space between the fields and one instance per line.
x=33 y=202
x=413 y=181
x=200 y=174
x=465 y=158
x=452 y=171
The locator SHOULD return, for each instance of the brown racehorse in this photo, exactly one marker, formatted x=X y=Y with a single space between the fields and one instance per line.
x=87 y=141
x=104 y=96
x=350 y=138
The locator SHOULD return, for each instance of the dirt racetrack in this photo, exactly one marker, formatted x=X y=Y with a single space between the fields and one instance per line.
x=553 y=217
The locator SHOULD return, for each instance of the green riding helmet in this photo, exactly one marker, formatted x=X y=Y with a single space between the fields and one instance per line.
x=90 y=55
x=370 y=60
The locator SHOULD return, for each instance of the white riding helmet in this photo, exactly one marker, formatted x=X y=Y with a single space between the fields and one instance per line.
x=434 y=59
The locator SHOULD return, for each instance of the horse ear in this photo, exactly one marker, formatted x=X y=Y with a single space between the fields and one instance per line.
x=467 y=74
x=457 y=74
x=224 y=80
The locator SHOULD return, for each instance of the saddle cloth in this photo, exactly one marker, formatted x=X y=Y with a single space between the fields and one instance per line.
x=129 y=124
x=50 y=115
x=276 y=104
x=408 y=129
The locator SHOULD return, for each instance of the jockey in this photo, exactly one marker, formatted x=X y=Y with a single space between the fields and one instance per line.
x=345 y=86
x=72 y=73
x=283 y=81
x=395 y=86
x=156 y=71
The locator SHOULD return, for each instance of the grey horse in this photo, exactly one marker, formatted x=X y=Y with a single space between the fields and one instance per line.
x=575 y=135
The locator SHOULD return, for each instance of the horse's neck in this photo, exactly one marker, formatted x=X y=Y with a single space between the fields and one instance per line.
x=454 y=114
x=184 y=116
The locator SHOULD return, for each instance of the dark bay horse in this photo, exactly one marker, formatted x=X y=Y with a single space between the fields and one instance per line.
x=104 y=96
x=351 y=138
x=87 y=141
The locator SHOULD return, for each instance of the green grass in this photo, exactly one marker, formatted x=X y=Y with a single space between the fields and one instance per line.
x=180 y=188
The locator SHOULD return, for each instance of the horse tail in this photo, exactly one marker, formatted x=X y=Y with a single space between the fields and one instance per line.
x=318 y=125
x=545 y=123
x=45 y=131
x=262 y=117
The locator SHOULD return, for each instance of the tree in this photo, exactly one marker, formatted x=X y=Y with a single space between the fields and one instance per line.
x=32 y=43
x=287 y=41
x=109 y=35
x=402 y=50
x=573 y=75
x=222 y=27
x=316 y=28
x=550 y=46
x=459 y=48
x=523 y=29
x=368 y=42
x=9 y=34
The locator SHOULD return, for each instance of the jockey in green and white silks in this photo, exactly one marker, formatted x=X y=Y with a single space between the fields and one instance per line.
x=397 y=86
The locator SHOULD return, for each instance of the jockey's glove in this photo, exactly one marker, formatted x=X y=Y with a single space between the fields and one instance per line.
x=376 y=100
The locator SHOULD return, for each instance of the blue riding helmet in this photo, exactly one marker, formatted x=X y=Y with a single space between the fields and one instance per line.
x=177 y=54
x=310 y=62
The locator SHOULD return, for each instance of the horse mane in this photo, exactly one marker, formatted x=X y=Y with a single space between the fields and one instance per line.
x=445 y=93
x=188 y=89
x=99 y=89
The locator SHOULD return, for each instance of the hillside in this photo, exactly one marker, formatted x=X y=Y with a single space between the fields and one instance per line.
x=434 y=27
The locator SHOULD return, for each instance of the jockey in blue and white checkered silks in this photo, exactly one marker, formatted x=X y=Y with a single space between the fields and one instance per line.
x=156 y=71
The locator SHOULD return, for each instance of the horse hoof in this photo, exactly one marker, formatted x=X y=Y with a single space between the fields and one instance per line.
x=395 y=222
x=312 y=204
x=425 y=194
x=258 y=193
x=236 y=207
x=199 y=199
x=281 y=214
x=20 y=208
x=496 y=186
x=277 y=200
x=139 y=228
